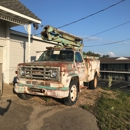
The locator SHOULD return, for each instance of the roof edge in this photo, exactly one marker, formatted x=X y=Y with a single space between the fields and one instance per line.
x=19 y=14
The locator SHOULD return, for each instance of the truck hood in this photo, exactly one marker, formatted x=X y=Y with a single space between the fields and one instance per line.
x=62 y=64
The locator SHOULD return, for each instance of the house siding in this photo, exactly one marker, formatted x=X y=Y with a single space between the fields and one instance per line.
x=3 y=47
x=19 y=51
x=16 y=54
x=2 y=30
x=37 y=46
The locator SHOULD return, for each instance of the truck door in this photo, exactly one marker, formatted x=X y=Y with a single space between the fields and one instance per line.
x=80 y=65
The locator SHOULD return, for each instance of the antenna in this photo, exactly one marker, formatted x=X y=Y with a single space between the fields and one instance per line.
x=35 y=25
x=26 y=27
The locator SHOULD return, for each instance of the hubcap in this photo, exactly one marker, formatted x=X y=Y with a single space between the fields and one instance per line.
x=73 y=93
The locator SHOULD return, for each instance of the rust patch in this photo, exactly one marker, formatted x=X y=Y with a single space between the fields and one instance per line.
x=34 y=82
x=83 y=87
x=28 y=82
x=47 y=83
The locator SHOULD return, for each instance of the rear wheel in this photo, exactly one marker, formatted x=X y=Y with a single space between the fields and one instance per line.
x=24 y=96
x=73 y=94
x=93 y=83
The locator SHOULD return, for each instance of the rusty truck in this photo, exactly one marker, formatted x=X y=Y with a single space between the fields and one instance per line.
x=62 y=71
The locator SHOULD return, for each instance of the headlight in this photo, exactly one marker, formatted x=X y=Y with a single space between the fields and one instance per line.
x=53 y=74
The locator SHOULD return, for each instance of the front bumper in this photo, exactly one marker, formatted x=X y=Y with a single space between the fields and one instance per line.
x=57 y=92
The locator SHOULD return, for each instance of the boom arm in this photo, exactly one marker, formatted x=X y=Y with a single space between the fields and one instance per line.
x=53 y=34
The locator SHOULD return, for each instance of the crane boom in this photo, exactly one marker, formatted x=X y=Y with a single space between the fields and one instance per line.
x=53 y=34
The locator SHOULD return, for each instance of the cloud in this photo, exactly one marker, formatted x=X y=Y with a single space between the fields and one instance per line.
x=111 y=54
x=124 y=42
x=92 y=38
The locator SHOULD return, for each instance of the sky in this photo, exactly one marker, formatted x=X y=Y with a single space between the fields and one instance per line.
x=60 y=12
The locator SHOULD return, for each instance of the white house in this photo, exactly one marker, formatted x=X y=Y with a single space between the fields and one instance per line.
x=16 y=47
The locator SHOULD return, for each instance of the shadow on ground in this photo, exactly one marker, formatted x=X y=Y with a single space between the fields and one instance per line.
x=4 y=110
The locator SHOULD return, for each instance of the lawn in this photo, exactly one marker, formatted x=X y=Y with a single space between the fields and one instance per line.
x=112 y=110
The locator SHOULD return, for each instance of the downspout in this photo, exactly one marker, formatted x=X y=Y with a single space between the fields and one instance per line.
x=29 y=41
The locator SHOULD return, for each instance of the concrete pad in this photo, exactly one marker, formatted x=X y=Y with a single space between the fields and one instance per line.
x=7 y=91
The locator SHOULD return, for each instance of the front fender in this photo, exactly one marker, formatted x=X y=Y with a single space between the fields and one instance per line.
x=71 y=76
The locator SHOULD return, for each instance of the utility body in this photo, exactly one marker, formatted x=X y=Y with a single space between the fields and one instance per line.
x=61 y=71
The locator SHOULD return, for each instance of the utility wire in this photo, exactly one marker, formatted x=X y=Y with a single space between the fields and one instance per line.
x=107 y=30
x=102 y=31
x=108 y=43
x=92 y=14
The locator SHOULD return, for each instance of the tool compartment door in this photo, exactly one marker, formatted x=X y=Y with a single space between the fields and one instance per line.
x=80 y=65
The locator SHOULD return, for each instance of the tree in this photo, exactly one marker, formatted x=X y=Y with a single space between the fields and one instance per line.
x=89 y=53
x=105 y=56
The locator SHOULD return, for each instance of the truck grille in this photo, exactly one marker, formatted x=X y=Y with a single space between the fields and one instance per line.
x=39 y=72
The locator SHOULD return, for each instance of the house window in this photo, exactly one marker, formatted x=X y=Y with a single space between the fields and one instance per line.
x=129 y=67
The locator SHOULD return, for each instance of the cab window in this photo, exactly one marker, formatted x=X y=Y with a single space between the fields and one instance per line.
x=78 y=57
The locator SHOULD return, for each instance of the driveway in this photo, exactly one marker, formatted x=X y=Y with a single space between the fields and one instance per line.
x=34 y=114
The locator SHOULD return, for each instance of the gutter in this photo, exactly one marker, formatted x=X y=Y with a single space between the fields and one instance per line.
x=19 y=14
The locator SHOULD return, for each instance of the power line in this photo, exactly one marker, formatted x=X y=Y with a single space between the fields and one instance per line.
x=107 y=30
x=104 y=30
x=108 y=43
x=92 y=14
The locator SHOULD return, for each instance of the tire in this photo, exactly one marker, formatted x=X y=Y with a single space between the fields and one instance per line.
x=73 y=94
x=24 y=96
x=13 y=91
x=93 y=83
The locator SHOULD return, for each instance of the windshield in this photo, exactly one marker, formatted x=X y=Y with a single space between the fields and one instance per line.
x=62 y=55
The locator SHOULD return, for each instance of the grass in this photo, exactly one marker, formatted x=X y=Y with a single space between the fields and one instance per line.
x=47 y=99
x=112 y=111
x=86 y=107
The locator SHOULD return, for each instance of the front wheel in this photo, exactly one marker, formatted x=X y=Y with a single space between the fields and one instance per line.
x=73 y=94
x=93 y=83
x=24 y=96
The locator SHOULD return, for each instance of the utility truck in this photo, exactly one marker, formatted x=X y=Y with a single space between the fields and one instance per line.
x=61 y=71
